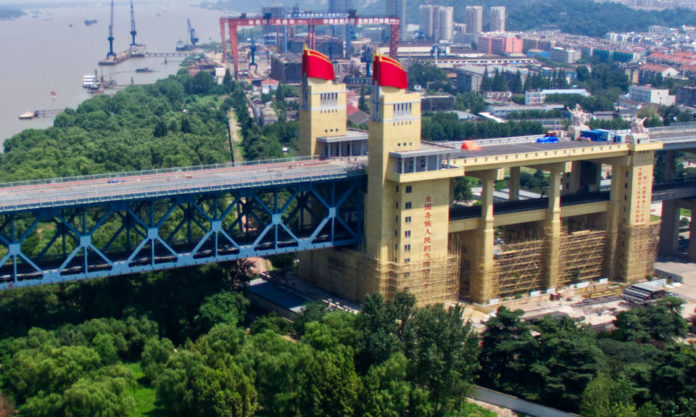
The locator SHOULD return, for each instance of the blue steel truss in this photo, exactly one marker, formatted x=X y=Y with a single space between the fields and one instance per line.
x=59 y=244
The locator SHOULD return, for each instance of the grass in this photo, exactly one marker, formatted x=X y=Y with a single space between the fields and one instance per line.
x=144 y=395
x=685 y=212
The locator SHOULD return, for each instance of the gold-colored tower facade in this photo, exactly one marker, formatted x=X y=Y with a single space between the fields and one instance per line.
x=412 y=242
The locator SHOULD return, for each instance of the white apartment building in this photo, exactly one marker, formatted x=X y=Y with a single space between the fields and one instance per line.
x=649 y=94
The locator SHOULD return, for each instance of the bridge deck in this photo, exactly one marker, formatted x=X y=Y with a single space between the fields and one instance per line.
x=129 y=186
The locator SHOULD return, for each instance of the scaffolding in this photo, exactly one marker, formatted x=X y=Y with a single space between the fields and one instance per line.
x=582 y=255
x=518 y=265
x=641 y=253
x=434 y=281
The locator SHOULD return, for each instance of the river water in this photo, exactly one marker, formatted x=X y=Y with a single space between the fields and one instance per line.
x=41 y=53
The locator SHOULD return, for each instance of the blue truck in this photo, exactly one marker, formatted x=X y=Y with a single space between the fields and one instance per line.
x=597 y=135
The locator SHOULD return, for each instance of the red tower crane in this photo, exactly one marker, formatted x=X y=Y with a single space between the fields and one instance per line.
x=311 y=21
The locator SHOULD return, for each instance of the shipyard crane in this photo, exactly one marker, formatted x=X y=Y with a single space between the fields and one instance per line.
x=192 y=32
x=132 y=32
x=111 y=34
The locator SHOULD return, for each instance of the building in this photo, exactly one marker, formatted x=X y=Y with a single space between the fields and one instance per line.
x=500 y=45
x=413 y=238
x=649 y=94
x=686 y=95
x=445 y=24
x=427 y=20
x=498 y=95
x=497 y=19
x=413 y=235
x=397 y=8
x=440 y=102
x=340 y=6
x=437 y=22
x=474 y=19
x=268 y=85
x=567 y=56
x=286 y=68
x=534 y=98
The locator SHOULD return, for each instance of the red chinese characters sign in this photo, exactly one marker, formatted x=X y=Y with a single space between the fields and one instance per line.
x=427 y=238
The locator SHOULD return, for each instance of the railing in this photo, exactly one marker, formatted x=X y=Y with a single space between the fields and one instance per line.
x=673 y=127
x=180 y=186
x=155 y=171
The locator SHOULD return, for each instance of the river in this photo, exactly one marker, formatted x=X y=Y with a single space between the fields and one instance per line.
x=42 y=53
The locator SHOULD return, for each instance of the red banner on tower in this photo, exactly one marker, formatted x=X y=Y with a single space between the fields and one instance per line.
x=388 y=72
x=316 y=65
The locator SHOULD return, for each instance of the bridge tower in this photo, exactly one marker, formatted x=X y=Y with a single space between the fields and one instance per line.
x=406 y=215
x=631 y=231
x=406 y=233
x=323 y=104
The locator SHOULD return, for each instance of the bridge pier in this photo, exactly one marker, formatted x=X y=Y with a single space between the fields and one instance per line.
x=669 y=228
x=552 y=228
x=514 y=184
x=482 y=273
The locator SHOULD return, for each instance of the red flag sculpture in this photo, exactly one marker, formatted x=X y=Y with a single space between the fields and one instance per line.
x=388 y=72
x=316 y=65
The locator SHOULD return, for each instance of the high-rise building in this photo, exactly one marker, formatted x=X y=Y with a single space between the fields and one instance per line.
x=437 y=22
x=497 y=19
x=445 y=24
x=427 y=20
x=397 y=8
x=474 y=19
x=340 y=6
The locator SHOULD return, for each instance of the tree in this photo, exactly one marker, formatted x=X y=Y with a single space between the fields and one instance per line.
x=227 y=81
x=424 y=74
x=506 y=349
x=160 y=129
x=362 y=102
x=155 y=355
x=486 y=82
x=443 y=356
x=188 y=387
x=517 y=87
x=329 y=384
x=606 y=397
x=103 y=396
x=568 y=359
x=660 y=322
x=385 y=391
x=314 y=311
x=202 y=83
x=462 y=189
x=228 y=307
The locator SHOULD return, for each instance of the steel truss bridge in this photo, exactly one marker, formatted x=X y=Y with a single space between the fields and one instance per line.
x=88 y=227
x=97 y=226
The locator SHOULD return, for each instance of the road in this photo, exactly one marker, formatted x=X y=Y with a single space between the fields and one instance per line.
x=15 y=196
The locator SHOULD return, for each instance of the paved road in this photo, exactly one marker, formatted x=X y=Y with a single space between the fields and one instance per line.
x=13 y=196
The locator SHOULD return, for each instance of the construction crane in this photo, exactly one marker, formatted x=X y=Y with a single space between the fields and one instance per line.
x=132 y=32
x=192 y=32
x=367 y=59
x=111 y=34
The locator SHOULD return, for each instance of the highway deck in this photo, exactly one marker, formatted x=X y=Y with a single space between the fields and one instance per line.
x=176 y=181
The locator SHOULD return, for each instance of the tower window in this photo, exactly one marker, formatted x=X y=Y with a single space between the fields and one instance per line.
x=408 y=205
x=409 y=189
x=407 y=219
